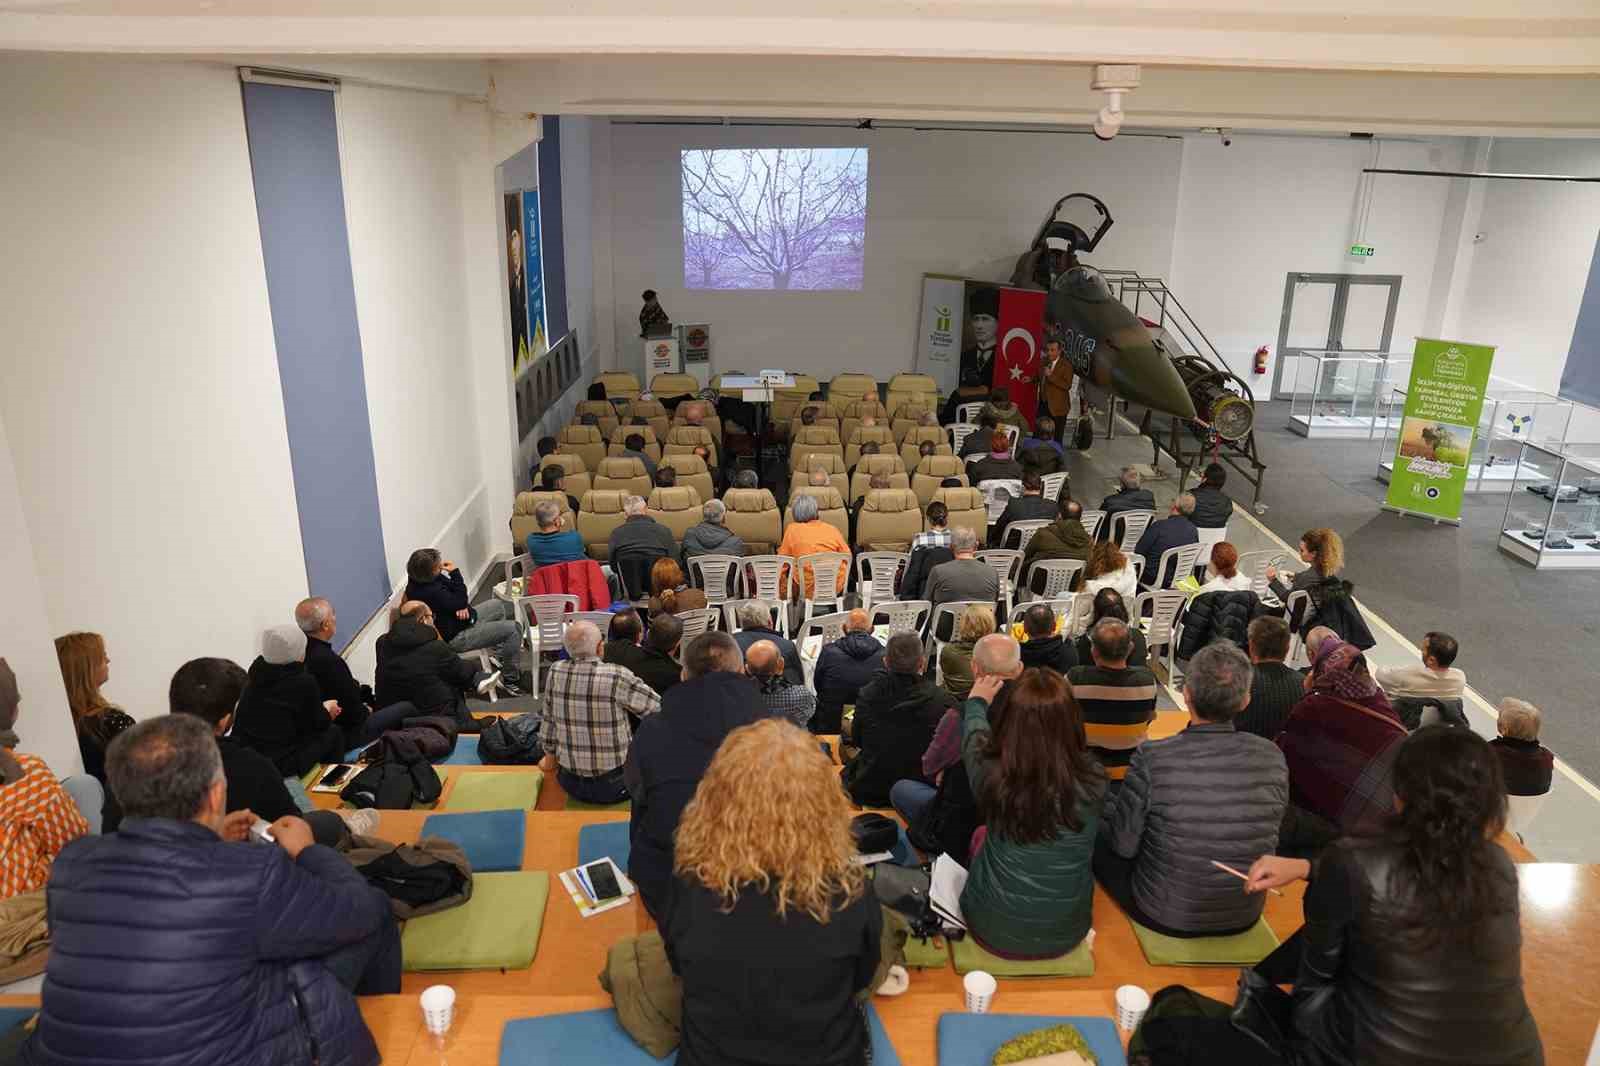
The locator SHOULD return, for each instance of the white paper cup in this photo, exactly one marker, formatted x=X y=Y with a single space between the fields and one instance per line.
x=1132 y=1002
x=438 y=1008
x=980 y=991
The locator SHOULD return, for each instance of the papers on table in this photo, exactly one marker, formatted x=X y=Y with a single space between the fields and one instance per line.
x=944 y=893
x=582 y=893
x=872 y=857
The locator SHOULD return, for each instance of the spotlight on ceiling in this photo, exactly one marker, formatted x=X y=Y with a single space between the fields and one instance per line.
x=1115 y=81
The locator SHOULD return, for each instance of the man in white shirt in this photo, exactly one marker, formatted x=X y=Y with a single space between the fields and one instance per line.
x=1433 y=677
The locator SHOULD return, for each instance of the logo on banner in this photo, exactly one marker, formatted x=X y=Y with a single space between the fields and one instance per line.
x=941 y=321
x=1450 y=363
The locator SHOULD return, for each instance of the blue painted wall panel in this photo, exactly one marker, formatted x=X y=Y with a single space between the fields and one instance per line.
x=1580 y=378
x=553 y=236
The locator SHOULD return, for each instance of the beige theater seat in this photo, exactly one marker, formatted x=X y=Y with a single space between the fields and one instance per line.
x=619 y=441
x=830 y=508
x=888 y=520
x=826 y=419
x=907 y=419
x=599 y=512
x=683 y=440
x=845 y=387
x=579 y=480
x=619 y=384
x=880 y=435
x=934 y=469
x=583 y=441
x=814 y=440
x=754 y=517
x=851 y=415
x=622 y=474
x=711 y=422
x=828 y=461
x=786 y=402
x=903 y=387
x=967 y=509
x=669 y=385
x=602 y=410
x=692 y=472
x=911 y=447
x=677 y=508
x=652 y=412
x=887 y=464
x=522 y=523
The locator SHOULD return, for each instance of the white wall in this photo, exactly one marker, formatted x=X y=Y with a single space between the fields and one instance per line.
x=959 y=202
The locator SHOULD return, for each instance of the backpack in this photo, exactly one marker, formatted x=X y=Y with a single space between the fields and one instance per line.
x=1184 y=1028
x=397 y=776
x=510 y=741
x=435 y=736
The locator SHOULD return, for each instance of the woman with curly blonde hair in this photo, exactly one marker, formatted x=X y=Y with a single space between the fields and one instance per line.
x=1109 y=568
x=85 y=666
x=768 y=921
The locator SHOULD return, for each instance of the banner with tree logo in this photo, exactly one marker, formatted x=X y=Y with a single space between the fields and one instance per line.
x=1443 y=402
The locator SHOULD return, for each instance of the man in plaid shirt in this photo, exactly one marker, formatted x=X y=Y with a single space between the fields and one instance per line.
x=782 y=697
x=586 y=728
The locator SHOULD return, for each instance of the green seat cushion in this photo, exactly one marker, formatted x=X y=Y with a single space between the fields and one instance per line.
x=928 y=954
x=579 y=805
x=1240 y=949
x=968 y=956
x=494 y=790
x=498 y=928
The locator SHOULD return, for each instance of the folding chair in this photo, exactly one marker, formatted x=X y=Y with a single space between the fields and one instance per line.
x=545 y=619
x=823 y=568
x=904 y=616
x=1174 y=563
x=718 y=575
x=1025 y=528
x=1013 y=437
x=1052 y=485
x=1132 y=525
x=1007 y=563
x=1059 y=576
x=876 y=573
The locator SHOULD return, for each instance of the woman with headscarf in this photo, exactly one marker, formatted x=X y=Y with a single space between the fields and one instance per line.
x=37 y=815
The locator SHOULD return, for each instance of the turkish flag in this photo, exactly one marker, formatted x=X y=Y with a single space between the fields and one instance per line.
x=1021 y=343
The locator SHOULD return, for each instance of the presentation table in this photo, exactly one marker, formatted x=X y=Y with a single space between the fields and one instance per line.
x=758 y=389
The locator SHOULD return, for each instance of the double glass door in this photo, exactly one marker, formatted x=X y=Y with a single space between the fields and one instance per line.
x=1332 y=313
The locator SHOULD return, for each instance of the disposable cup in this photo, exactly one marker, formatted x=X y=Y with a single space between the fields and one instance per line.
x=438 y=1008
x=980 y=991
x=1132 y=1002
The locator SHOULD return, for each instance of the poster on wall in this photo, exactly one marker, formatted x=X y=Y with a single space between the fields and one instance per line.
x=538 y=337
x=516 y=281
x=980 y=329
x=939 y=342
x=1443 y=402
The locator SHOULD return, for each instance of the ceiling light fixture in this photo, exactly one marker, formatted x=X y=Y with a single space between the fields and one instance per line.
x=1116 y=81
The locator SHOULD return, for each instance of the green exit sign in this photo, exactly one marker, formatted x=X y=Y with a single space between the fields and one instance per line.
x=1363 y=249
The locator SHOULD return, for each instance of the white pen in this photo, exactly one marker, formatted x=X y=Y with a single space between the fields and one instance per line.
x=1243 y=877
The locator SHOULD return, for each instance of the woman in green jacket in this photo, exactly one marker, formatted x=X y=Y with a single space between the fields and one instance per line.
x=955 y=661
x=1030 y=889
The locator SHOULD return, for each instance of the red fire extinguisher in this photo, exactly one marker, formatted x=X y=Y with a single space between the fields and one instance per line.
x=1261 y=360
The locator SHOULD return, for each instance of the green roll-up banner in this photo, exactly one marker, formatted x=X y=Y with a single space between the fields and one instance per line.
x=1443 y=402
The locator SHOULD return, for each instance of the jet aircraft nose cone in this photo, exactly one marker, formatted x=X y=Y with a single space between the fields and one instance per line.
x=1142 y=374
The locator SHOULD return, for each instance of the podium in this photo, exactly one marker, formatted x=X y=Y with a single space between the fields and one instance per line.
x=661 y=356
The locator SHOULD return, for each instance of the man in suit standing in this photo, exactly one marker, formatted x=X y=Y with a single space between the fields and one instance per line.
x=1055 y=386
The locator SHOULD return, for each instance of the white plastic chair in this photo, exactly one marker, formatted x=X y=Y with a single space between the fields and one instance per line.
x=904 y=616
x=1013 y=437
x=1060 y=605
x=1059 y=575
x=823 y=568
x=830 y=627
x=545 y=618
x=933 y=644
x=1091 y=522
x=875 y=575
x=600 y=619
x=968 y=412
x=1082 y=614
x=1025 y=528
x=959 y=432
x=1052 y=485
x=712 y=572
x=696 y=623
x=1132 y=525
x=730 y=612
x=1175 y=563
x=1209 y=538
x=1165 y=606
x=997 y=492
x=1007 y=563
x=764 y=575
x=1137 y=561
x=1295 y=614
x=1254 y=564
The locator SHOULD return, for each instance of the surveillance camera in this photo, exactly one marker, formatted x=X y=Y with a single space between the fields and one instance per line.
x=1226 y=136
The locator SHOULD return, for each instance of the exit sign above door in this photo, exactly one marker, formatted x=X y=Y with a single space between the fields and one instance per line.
x=1363 y=250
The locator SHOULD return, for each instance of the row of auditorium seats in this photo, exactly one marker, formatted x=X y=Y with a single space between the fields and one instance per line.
x=843 y=389
x=592 y=446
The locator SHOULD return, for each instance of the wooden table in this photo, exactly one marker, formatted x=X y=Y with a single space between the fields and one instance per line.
x=1561 y=955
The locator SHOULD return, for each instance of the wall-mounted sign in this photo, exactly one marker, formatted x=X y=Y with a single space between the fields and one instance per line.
x=1362 y=251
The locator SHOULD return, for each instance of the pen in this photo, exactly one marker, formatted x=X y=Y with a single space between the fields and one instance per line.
x=1243 y=877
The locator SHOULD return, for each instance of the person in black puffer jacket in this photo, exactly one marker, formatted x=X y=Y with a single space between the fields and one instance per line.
x=1220 y=615
x=896 y=714
x=281 y=713
x=417 y=667
x=1208 y=794
x=843 y=667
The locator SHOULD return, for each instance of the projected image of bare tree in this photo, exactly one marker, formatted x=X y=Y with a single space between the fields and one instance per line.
x=774 y=218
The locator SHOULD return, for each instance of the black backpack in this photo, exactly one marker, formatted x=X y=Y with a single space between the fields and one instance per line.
x=510 y=741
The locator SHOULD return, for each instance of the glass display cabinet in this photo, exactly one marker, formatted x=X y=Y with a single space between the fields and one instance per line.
x=1552 y=517
x=1512 y=416
x=1344 y=394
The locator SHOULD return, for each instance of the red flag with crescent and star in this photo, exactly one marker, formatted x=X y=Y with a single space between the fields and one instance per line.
x=1020 y=345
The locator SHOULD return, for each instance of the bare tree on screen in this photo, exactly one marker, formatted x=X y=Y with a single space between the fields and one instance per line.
x=704 y=251
x=789 y=217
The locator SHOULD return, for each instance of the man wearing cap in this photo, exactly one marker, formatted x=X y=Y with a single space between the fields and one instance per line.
x=281 y=713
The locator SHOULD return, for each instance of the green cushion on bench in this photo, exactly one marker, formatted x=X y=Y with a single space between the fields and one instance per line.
x=929 y=954
x=498 y=928
x=968 y=956
x=1240 y=949
x=494 y=790
x=579 y=805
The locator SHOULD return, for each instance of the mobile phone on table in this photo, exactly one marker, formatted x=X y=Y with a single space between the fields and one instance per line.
x=603 y=880
x=335 y=775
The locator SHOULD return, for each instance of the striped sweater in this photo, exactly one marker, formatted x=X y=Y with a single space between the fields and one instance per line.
x=1118 y=706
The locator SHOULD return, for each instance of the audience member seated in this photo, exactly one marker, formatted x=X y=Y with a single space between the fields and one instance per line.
x=546 y=446
x=955 y=659
x=1435 y=676
x=1218 y=615
x=586 y=718
x=768 y=921
x=1004 y=411
x=995 y=466
x=1109 y=568
x=38 y=814
x=1130 y=497
x=176 y=940
x=316 y=618
x=1412 y=947
x=1030 y=505
x=651 y=656
x=1276 y=688
x=1065 y=538
x=929 y=548
x=780 y=696
x=552 y=544
x=965 y=577
x=1040 y=451
x=665 y=477
x=633 y=448
x=554 y=479
x=1208 y=794
x=282 y=713
x=85 y=667
x=709 y=461
x=937 y=535
x=1173 y=531
x=1222 y=571
x=896 y=714
x=806 y=535
x=672 y=749
x=1108 y=603
x=1526 y=764
x=437 y=583
x=1118 y=701
x=1332 y=602
x=979 y=441
x=1030 y=888
x=711 y=536
x=637 y=543
x=1212 y=506
x=755 y=624
x=874 y=483
x=669 y=592
x=418 y=671
x=842 y=668
x=748 y=479
x=1338 y=741
x=1045 y=647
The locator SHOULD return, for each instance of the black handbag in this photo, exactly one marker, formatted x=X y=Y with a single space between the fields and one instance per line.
x=1263 y=1011
x=874 y=832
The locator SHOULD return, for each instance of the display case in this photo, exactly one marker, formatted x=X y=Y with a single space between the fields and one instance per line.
x=1345 y=394
x=1552 y=515
x=1512 y=416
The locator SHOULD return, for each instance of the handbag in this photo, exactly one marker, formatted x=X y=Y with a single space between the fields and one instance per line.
x=905 y=890
x=1184 y=1028
x=1263 y=1012
x=874 y=833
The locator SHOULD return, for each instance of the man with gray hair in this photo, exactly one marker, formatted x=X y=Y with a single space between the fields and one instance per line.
x=711 y=536
x=747 y=479
x=1208 y=795
x=965 y=577
x=217 y=949
x=1174 y=531
x=316 y=618
x=587 y=729
x=642 y=537
x=1118 y=701
x=842 y=668
x=755 y=625
x=1128 y=497
x=552 y=544
x=897 y=713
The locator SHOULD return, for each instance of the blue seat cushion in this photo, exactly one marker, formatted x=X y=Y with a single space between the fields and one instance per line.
x=492 y=839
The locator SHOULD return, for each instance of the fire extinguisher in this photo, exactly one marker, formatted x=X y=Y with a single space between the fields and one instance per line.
x=1261 y=360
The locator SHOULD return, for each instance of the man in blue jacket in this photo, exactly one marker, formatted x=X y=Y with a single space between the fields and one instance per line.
x=180 y=940
x=1173 y=531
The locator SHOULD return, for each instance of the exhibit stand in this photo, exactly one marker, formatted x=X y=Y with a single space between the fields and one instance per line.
x=1345 y=394
x=1553 y=509
x=1512 y=416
